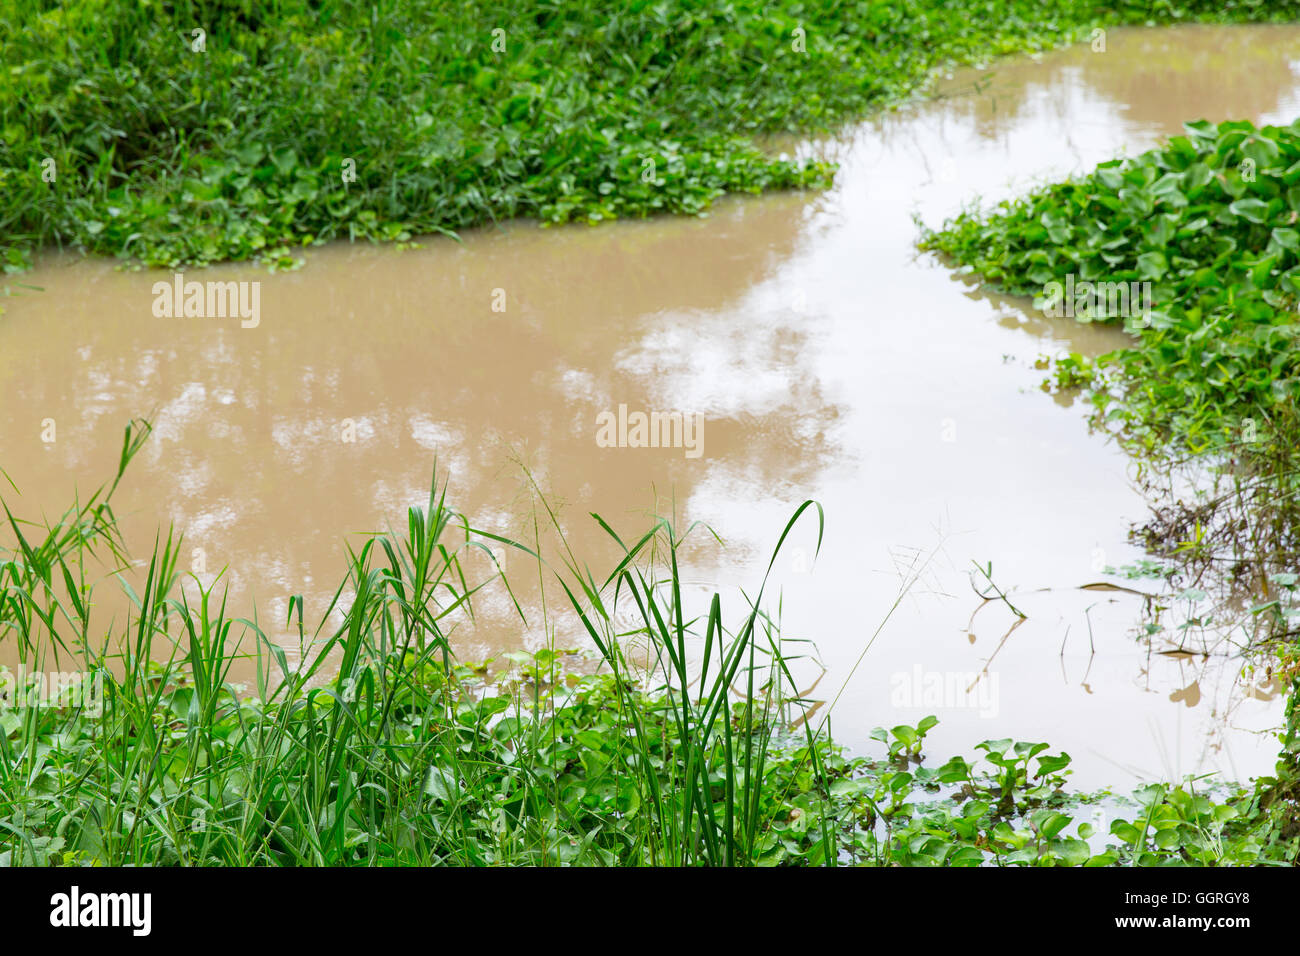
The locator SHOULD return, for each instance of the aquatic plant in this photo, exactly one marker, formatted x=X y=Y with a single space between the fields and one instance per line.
x=1210 y=221
x=1206 y=394
x=203 y=130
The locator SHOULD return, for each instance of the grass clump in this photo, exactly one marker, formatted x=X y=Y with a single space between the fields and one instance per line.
x=378 y=747
x=195 y=131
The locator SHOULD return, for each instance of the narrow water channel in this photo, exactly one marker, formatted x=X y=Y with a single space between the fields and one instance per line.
x=826 y=358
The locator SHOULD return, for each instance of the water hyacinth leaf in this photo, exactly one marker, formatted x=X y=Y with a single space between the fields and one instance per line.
x=1255 y=210
x=1152 y=265
x=1285 y=238
x=1050 y=823
x=1074 y=852
x=1050 y=765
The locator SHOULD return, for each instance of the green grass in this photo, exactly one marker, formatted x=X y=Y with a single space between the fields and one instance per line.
x=118 y=138
x=685 y=744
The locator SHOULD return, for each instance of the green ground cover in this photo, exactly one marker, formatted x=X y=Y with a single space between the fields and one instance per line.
x=124 y=135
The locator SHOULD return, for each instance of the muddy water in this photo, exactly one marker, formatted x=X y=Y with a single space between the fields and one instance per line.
x=827 y=360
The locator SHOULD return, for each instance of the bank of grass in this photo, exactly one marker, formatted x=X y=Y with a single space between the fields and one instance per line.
x=119 y=137
x=380 y=748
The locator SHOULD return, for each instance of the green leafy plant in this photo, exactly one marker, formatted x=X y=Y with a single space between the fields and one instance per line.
x=381 y=748
x=1209 y=220
x=124 y=133
x=906 y=742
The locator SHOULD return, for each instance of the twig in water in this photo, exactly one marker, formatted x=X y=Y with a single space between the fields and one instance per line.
x=997 y=592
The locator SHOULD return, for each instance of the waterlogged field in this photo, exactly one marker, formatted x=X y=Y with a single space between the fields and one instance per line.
x=795 y=347
x=603 y=638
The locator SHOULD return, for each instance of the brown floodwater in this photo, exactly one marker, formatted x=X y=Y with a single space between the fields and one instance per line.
x=825 y=358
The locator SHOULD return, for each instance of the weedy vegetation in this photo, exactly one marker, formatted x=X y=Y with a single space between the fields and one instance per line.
x=195 y=131
x=379 y=747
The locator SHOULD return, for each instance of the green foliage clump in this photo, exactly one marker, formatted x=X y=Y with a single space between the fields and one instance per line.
x=125 y=131
x=1210 y=221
